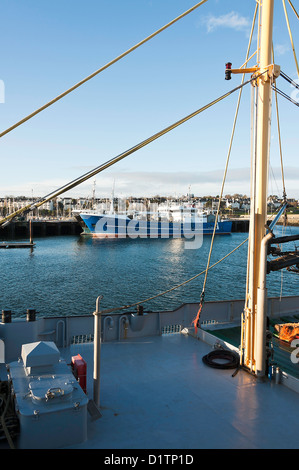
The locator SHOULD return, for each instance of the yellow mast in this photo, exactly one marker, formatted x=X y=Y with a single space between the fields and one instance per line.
x=254 y=355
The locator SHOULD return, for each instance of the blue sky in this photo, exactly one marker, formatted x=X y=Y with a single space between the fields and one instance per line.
x=49 y=46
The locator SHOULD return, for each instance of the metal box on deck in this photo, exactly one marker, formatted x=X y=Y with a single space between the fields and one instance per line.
x=51 y=406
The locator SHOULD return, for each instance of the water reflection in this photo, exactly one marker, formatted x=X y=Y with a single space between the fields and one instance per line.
x=64 y=275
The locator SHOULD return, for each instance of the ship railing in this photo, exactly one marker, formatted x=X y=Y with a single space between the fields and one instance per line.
x=121 y=326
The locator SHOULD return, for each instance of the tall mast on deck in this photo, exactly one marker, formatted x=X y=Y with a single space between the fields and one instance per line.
x=255 y=312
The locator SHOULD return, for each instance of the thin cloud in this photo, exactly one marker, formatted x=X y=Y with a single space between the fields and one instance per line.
x=140 y=183
x=281 y=49
x=231 y=20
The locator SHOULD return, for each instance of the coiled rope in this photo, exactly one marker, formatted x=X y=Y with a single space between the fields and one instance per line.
x=231 y=359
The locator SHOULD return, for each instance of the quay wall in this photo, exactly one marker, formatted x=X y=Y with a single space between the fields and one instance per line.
x=46 y=228
x=40 y=228
x=43 y=228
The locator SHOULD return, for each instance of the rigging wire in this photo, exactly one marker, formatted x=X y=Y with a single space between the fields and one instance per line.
x=290 y=34
x=104 y=67
x=119 y=157
x=282 y=93
x=271 y=180
x=177 y=286
x=293 y=9
x=259 y=32
x=281 y=272
x=196 y=320
x=279 y=138
x=292 y=82
x=289 y=79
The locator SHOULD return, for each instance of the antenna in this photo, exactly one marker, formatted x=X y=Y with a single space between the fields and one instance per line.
x=93 y=193
x=112 y=198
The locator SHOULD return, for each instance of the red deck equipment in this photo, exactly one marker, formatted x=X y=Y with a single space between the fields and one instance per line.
x=79 y=367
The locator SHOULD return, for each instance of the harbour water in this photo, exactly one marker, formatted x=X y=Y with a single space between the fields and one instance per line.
x=64 y=275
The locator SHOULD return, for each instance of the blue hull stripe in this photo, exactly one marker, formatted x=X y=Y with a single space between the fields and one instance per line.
x=135 y=228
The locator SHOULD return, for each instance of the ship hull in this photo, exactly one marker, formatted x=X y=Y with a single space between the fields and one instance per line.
x=105 y=226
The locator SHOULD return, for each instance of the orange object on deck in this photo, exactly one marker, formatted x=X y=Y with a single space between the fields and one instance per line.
x=79 y=367
x=287 y=331
x=196 y=319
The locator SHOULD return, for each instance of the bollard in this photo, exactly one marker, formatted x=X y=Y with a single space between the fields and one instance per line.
x=139 y=309
x=6 y=316
x=30 y=314
x=277 y=375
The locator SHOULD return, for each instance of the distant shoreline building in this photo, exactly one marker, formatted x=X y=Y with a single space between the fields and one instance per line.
x=64 y=206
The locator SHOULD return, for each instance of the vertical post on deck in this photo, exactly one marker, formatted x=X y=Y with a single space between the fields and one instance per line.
x=255 y=325
x=97 y=353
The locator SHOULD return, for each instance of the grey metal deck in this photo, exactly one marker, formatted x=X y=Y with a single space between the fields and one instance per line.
x=156 y=393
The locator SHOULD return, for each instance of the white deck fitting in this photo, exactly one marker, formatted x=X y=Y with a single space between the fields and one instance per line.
x=156 y=393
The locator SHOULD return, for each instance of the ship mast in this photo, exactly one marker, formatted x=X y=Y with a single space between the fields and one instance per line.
x=255 y=312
